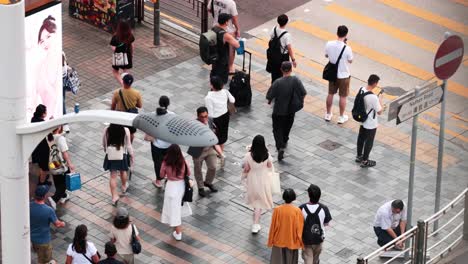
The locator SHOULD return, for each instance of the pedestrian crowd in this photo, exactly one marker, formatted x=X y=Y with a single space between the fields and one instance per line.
x=292 y=228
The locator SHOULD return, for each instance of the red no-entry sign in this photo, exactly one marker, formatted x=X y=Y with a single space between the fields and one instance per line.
x=448 y=57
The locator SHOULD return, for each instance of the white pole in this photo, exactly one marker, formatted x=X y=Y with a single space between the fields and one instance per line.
x=13 y=168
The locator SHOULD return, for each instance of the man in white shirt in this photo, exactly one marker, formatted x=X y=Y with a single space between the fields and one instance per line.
x=390 y=222
x=217 y=7
x=286 y=46
x=368 y=129
x=341 y=85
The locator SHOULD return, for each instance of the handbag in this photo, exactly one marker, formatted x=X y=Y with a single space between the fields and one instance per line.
x=129 y=110
x=119 y=59
x=71 y=81
x=275 y=181
x=136 y=245
x=115 y=154
x=73 y=181
x=188 y=192
x=330 y=72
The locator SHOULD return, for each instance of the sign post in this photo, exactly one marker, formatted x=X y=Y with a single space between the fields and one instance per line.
x=446 y=62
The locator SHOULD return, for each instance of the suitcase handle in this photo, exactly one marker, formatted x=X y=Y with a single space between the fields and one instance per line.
x=250 y=61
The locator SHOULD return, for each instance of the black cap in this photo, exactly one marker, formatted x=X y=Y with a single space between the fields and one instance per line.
x=110 y=249
x=223 y=18
x=127 y=78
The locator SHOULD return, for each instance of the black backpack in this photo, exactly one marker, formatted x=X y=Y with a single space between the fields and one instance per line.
x=208 y=45
x=312 y=234
x=274 y=52
x=359 y=109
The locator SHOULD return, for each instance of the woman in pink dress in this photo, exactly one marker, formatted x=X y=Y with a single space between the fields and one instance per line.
x=258 y=170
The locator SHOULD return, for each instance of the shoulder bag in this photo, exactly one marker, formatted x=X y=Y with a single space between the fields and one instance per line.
x=120 y=58
x=188 y=192
x=330 y=72
x=230 y=106
x=136 y=245
x=129 y=110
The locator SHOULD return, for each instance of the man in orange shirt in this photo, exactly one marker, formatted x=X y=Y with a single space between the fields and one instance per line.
x=285 y=236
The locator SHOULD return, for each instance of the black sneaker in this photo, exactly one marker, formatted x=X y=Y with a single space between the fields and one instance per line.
x=358 y=159
x=280 y=154
x=201 y=192
x=211 y=187
x=368 y=163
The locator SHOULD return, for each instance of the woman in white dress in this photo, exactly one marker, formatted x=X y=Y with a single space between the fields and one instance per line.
x=174 y=168
x=257 y=173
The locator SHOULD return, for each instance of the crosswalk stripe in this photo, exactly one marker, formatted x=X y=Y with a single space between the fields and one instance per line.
x=426 y=15
x=390 y=61
x=390 y=30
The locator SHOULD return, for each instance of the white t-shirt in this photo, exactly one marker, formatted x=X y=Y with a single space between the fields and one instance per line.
x=371 y=101
x=61 y=142
x=227 y=7
x=285 y=40
x=385 y=217
x=216 y=102
x=161 y=143
x=78 y=258
x=333 y=49
x=123 y=238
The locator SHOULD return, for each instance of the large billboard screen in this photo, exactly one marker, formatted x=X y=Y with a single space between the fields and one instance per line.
x=43 y=38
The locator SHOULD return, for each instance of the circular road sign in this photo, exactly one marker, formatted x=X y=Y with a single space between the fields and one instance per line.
x=448 y=57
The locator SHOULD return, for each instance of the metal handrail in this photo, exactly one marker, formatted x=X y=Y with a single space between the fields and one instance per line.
x=443 y=211
x=442 y=240
x=408 y=234
x=448 y=222
x=445 y=250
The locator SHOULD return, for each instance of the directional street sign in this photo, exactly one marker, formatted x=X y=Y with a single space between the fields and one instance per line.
x=396 y=104
x=448 y=57
x=420 y=103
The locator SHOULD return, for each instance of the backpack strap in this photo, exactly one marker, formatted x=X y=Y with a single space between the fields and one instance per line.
x=339 y=57
x=367 y=93
x=308 y=211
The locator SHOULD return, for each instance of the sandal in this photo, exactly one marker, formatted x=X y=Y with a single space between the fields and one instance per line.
x=368 y=163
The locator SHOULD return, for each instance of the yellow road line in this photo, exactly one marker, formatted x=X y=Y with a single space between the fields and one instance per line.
x=426 y=15
x=173 y=19
x=390 y=30
x=377 y=56
x=461 y=2
x=319 y=79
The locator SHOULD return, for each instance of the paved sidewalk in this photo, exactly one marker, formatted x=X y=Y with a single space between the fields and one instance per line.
x=219 y=230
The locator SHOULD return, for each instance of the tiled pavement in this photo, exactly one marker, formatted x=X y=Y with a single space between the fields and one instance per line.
x=219 y=230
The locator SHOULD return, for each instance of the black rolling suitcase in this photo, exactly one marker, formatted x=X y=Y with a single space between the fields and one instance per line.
x=239 y=86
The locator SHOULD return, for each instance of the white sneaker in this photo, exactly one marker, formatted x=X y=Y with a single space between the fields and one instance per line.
x=65 y=199
x=66 y=129
x=52 y=203
x=256 y=228
x=342 y=119
x=177 y=237
x=328 y=117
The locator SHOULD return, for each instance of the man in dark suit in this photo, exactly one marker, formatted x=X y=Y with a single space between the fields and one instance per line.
x=207 y=154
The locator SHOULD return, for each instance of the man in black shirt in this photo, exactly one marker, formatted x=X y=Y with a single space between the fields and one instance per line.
x=288 y=93
x=220 y=67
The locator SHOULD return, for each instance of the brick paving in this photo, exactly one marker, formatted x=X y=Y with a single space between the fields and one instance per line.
x=219 y=229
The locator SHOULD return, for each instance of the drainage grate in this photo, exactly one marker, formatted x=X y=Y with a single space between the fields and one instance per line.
x=345 y=253
x=164 y=53
x=329 y=145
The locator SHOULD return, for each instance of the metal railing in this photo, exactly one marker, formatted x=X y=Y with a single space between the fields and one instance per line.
x=424 y=246
x=187 y=15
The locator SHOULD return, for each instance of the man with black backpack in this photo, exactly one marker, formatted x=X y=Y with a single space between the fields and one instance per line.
x=316 y=217
x=279 y=48
x=366 y=107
